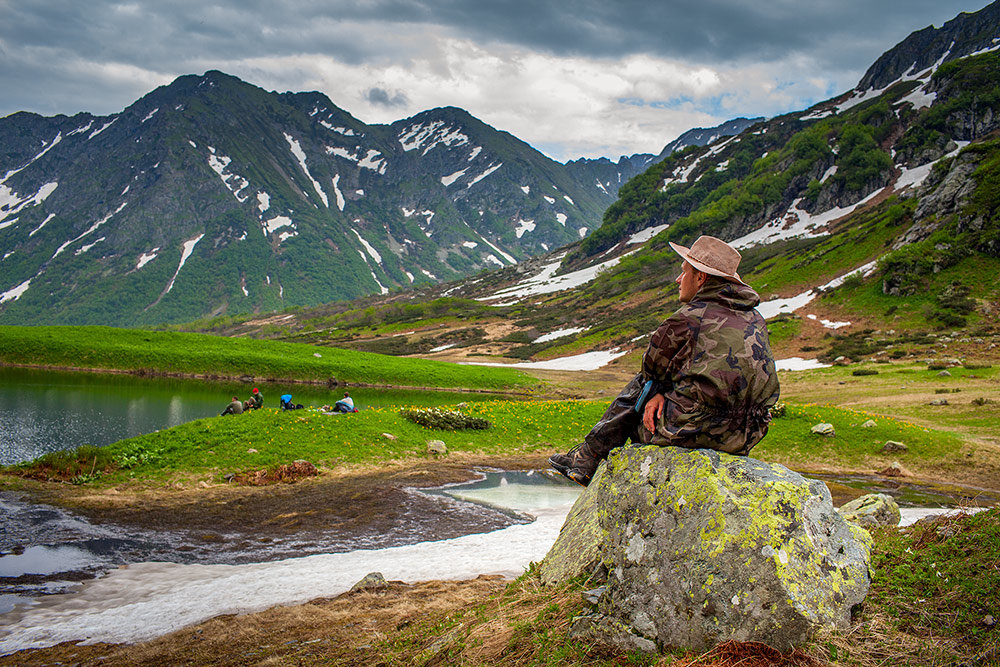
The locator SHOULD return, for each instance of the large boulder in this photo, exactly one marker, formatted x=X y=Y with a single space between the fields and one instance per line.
x=701 y=547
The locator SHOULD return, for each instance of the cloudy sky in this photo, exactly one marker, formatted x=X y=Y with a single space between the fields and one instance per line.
x=571 y=77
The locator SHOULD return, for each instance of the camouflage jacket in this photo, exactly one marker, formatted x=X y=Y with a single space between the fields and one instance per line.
x=712 y=361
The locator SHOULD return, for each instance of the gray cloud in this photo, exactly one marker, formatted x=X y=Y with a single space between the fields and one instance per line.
x=64 y=56
x=381 y=97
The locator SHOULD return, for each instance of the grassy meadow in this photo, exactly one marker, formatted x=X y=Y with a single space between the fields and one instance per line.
x=157 y=352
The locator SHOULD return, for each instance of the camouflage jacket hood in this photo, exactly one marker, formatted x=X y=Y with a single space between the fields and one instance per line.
x=712 y=360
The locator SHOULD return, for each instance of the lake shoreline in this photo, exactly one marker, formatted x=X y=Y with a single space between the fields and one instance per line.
x=331 y=383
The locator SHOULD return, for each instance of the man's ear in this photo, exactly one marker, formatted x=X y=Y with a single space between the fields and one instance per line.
x=701 y=278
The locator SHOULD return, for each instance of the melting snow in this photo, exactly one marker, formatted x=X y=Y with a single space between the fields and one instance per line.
x=775 y=307
x=368 y=247
x=492 y=258
x=146 y=258
x=829 y=324
x=188 y=249
x=263 y=201
x=277 y=222
x=431 y=135
x=551 y=200
x=297 y=151
x=524 y=226
x=582 y=231
x=526 y=189
x=14 y=293
x=546 y=282
x=370 y=161
x=796 y=223
x=80 y=130
x=149 y=115
x=475 y=152
x=92 y=229
x=561 y=217
x=442 y=348
x=451 y=178
x=567 y=198
x=489 y=170
x=35 y=230
x=798 y=364
x=501 y=252
x=31 y=161
x=470 y=244
x=588 y=361
x=646 y=234
x=347 y=132
x=147 y=600
x=428 y=274
x=106 y=126
x=15 y=204
x=341 y=202
x=560 y=333
x=83 y=249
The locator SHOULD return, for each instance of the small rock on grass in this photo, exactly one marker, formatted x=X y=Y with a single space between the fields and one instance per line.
x=869 y=424
x=891 y=446
x=437 y=447
x=824 y=429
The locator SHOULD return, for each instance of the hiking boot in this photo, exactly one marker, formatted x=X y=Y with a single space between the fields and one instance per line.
x=574 y=465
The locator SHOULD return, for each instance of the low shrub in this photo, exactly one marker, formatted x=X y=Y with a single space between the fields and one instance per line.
x=443 y=419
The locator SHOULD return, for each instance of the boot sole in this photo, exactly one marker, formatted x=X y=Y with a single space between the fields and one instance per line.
x=570 y=473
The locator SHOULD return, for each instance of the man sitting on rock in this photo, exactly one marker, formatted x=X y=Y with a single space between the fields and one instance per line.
x=708 y=378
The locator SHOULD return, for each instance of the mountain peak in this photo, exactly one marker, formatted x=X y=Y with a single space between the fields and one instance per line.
x=963 y=35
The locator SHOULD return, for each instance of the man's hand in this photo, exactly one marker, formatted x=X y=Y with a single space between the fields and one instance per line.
x=653 y=412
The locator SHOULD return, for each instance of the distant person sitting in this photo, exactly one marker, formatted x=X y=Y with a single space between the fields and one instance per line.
x=346 y=404
x=256 y=400
x=235 y=407
x=286 y=403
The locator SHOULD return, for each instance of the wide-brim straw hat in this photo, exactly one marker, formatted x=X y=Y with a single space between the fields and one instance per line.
x=712 y=256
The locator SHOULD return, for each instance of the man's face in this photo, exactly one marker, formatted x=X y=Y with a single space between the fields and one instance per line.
x=690 y=282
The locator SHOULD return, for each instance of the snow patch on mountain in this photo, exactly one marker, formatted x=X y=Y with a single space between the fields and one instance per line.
x=429 y=136
x=368 y=247
x=341 y=202
x=27 y=164
x=371 y=161
x=149 y=115
x=105 y=126
x=346 y=131
x=561 y=218
x=188 y=248
x=559 y=333
x=645 y=234
x=92 y=229
x=524 y=226
x=14 y=293
x=546 y=282
x=300 y=155
x=446 y=181
x=147 y=257
x=489 y=170
x=233 y=182
x=43 y=223
x=14 y=204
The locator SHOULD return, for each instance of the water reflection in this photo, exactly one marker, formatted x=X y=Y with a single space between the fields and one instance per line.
x=47 y=411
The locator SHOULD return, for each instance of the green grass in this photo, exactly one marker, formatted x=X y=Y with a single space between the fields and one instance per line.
x=791 y=441
x=216 y=446
x=188 y=353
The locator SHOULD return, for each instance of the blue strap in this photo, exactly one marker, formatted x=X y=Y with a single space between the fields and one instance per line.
x=644 y=395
